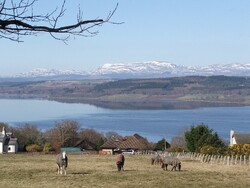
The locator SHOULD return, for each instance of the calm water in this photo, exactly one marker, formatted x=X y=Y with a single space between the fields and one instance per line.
x=153 y=124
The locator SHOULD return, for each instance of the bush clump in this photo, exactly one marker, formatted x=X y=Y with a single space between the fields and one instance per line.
x=33 y=148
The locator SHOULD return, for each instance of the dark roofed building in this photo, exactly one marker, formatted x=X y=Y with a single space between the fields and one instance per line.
x=86 y=145
x=236 y=138
x=135 y=142
x=112 y=143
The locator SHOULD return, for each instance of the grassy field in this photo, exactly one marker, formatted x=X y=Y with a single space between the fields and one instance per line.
x=23 y=170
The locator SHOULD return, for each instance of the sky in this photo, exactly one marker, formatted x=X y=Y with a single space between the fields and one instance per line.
x=183 y=32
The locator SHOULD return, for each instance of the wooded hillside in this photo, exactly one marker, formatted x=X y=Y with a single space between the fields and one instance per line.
x=177 y=92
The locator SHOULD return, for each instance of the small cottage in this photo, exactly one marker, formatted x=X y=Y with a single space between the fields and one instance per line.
x=236 y=138
x=111 y=145
x=115 y=143
x=8 y=143
x=87 y=146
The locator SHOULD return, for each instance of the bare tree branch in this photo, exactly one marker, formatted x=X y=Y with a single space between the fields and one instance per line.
x=17 y=19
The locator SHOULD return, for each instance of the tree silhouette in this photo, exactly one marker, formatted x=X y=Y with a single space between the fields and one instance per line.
x=199 y=136
x=17 y=19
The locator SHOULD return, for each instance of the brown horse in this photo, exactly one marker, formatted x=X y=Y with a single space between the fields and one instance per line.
x=120 y=160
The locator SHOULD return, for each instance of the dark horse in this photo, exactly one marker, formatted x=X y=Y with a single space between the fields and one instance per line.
x=62 y=163
x=120 y=160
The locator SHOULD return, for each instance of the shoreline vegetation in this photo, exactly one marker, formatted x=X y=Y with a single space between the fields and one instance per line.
x=163 y=93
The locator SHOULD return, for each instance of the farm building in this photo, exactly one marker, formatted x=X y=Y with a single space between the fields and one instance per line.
x=115 y=143
x=87 y=146
x=83 y=146
x=8 y=144
x=236 y=138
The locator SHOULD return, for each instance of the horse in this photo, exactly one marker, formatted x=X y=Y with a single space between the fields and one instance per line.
x=62 y=163
x=175 y=162
x=155 y=159
x=120 y=160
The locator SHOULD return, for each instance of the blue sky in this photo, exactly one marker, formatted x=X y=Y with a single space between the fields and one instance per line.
x=183 y=32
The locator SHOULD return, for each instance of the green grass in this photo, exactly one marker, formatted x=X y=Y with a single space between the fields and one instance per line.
x=22 y=170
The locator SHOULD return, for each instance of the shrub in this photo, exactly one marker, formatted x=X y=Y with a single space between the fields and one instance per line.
x=246 y=149
x=235 y=149
x=209 y=150
x=47 y=147
x=176 y=149
x=33 y=148
x=239 y=149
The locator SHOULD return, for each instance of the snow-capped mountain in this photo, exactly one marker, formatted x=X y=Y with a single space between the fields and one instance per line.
x=135 y=68
x=148 y=69
x=166 y=69
x=41 y=72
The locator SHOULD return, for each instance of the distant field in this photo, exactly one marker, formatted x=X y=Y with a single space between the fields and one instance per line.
x=22 y=170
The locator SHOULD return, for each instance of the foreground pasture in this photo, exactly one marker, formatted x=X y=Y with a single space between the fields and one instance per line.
x=39 y=170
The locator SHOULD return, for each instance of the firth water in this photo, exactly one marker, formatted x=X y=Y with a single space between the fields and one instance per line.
x=152 y=124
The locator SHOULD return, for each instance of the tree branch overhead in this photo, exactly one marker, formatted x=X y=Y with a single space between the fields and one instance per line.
x=17 y=19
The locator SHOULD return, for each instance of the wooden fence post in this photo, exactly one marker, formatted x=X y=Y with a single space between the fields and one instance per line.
x=225 y=160
x=232 y=159
x=228 y=158
x=211 y=159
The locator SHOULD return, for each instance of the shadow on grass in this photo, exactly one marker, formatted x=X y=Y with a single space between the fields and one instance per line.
x=129 y=170
x=80 y=173
x=175 y=171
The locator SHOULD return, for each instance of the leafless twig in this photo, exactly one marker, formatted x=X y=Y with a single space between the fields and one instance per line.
x=17 y=19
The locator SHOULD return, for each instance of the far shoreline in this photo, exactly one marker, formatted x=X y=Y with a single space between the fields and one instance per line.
x=136 y=105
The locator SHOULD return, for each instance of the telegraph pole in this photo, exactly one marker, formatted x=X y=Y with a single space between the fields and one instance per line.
x=165 y=143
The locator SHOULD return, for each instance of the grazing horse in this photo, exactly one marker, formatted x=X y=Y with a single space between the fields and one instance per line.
x=173 y=161
x=155 y=159
x=120 y=160
x=62 y=162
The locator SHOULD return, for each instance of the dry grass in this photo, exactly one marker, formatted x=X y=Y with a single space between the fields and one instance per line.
x=22 y=170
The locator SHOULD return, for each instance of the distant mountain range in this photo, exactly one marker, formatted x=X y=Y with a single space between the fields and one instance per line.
x=150 y=69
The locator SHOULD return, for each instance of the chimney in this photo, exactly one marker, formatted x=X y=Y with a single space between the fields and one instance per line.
x=232 y=138
x=3 y=131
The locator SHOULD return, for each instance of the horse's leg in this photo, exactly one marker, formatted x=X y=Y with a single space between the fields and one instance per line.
x=173 y=168
x=58 y=169
x=64 y=168
x=122 y=168
x=61 y=170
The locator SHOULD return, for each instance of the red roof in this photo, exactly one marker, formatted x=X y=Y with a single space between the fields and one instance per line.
x=133 y=142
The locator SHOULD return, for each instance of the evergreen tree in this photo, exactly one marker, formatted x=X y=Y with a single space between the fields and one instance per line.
x=199 y=136
x=162 y=144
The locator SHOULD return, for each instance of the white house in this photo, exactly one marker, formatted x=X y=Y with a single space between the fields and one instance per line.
x=8 y=144
x=239 y=138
